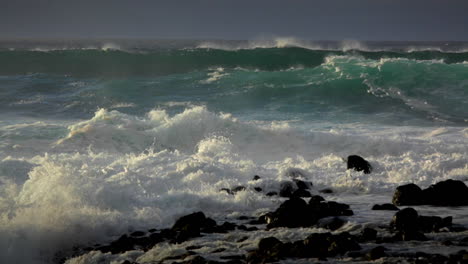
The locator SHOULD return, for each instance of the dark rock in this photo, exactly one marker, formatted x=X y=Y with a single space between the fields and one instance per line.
x=327 y=245
x=316 y=245
x=324 y=209
x=409 y=194
x=446 y=193
x=342 y=243
x=270 y=249
x=332 y=223
x=358 y=164
x=252 y=228
x=376 y=253
x=256 y=178
x=368 y=234
x=267 y=243
x=286 y=189
x=196 y=220
x=258 y=189
x=405 y=220
x=326 y=190
x=191 y=225
x=316 y=199
x=388 y=207
x=242 y=227
x=291 y=213
x=302 y=185
x=271 y=194
x=121 y=245
x=433 y=223
x=238 y=189
x=137 y=234
x=152 y=230
x=301 y=193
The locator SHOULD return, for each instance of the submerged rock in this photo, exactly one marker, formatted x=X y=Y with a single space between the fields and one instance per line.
x=359 y=164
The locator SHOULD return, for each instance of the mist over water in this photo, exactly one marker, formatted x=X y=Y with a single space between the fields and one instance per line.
x=101 y=138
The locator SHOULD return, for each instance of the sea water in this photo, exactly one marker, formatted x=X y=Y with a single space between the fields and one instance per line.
x=100 y=138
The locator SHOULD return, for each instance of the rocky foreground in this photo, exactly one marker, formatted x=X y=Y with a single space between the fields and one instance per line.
x=301 y=209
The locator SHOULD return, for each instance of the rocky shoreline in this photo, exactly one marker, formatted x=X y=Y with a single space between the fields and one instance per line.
x=301 y=210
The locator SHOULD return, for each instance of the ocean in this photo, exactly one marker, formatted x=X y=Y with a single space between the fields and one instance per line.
x=103 y=137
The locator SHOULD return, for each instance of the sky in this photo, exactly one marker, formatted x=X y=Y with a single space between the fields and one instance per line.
x=422 y=20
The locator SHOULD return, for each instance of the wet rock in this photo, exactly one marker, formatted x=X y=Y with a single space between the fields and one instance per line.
x=328 y=245
x=191 y=225
x=270 y=249
x=433 y=223
x=409 y=194
x=137 y=234
x=406 y=223
x=368 y=234
x=324 y=209
x=446 y=193
x=387 y=207
x=195 y=220
x=332 y=223
x=316 y=199
x=286 y=189
x=406 y=219
x=238 y=189
x=121 y=245
x=303 y=185
x=301 y=193
x=376 y=253
x=358 y=164
x=326 y=190
x=291 y=213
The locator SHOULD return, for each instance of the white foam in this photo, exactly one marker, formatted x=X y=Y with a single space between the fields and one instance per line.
x=116 y=172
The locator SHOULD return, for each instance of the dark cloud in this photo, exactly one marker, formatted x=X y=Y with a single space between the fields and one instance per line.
x=237 y=19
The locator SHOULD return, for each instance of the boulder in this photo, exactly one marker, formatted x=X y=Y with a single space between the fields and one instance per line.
x=409 y=194
x=376 y=253
x=291 y=213
x=303 y=185
x=359 y=164
x=446 y=193
x=301 y=193
x=287 y=189
x=405 y=220
x=368 y=234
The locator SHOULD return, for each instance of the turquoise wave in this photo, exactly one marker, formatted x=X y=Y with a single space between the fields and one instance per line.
x=263 y=83
x=116 y=63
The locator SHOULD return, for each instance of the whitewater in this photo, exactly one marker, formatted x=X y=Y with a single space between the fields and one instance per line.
x=102 y=138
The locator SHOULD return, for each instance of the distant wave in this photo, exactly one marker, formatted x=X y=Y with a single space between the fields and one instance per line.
x=112 y=61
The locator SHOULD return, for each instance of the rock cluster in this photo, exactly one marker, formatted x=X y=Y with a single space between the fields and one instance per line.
x=296 y=212
x=444 y=193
